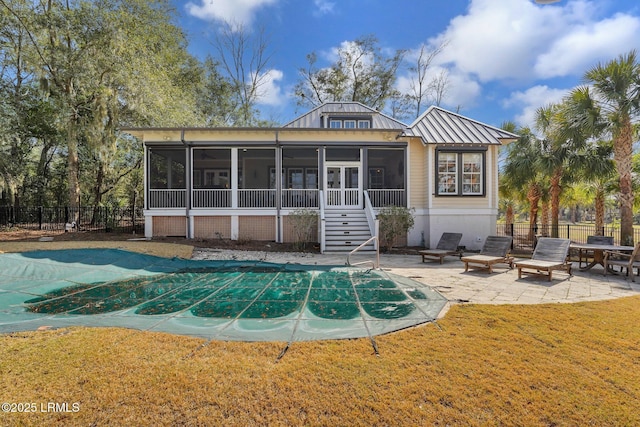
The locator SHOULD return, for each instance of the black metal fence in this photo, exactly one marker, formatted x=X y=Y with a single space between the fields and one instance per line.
x=106 y=219
x=524 y=236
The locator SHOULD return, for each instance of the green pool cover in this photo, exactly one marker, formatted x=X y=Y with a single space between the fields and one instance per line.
x=222 y=300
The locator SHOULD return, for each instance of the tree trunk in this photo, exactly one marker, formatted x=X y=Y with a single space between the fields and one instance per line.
x=509 y=219
x=599 y=202
x=623 y=151
x=533 y=196
x=555 y=190
x=97 y=192
x=544 y=221
x=73 y=169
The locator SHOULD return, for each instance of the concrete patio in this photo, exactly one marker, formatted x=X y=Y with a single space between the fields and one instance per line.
x=474 y=286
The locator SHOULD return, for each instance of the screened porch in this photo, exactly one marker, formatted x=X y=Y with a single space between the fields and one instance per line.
x=230 y=178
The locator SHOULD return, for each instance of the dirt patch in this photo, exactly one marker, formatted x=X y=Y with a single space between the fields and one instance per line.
x=20 y=240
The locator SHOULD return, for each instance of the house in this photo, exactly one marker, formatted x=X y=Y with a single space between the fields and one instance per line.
x=343 y=160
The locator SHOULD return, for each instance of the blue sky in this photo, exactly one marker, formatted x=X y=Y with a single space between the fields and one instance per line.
x=504 y=58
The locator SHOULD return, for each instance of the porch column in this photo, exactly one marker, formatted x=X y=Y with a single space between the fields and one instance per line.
x=145 y=181
x=234 y=178
x=189 y=187
x=365 y=169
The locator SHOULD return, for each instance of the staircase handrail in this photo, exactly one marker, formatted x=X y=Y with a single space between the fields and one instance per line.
x=371 y=218
x=323 y=244
x=374 y=264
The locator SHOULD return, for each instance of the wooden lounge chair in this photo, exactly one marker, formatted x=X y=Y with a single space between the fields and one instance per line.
x=495 y=250
x=550 y=254
x=448 y=245
x=624 y=260
x=592 y=240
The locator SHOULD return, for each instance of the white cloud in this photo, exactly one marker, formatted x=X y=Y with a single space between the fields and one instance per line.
x=531 y=99
x=519 y=40
x=232 y=11
x=270 y=92
x=323 y=7
x=587 y=44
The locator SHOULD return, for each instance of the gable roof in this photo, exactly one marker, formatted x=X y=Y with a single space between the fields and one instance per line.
x=315 y=118
x=439 y=126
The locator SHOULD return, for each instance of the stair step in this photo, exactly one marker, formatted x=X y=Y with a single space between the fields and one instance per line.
x=342 y=230
x=345 y=230
x=347 y=248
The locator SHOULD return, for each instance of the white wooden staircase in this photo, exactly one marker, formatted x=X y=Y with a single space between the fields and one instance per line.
x=346 y=229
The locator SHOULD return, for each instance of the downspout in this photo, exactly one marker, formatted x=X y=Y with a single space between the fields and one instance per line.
x=278 y=190
x=188 y=174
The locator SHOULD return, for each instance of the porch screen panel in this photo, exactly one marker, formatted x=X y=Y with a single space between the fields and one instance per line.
x=254 y=177
x=167 y=177
x=386 y=177
x=299 y=177
x=211 y=178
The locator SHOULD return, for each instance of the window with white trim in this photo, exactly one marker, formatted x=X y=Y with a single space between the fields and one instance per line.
x=472 y=173
x=349 y=123
x=460 y=173
x=447 y=173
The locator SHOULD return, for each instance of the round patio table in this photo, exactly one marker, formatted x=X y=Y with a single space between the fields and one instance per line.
x=598 y=252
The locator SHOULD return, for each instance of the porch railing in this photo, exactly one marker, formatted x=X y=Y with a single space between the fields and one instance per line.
x=342 y=197
x=266 y=198
x=300 y=198
x=167 y=198
x=211 y=198
x=257 y=198
x=387 y=197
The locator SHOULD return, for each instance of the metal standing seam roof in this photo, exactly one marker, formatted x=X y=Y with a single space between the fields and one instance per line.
x=435 y=126
x=313 y=119
x=439 y=126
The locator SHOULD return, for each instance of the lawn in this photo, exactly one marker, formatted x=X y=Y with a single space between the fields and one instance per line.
x=540 y=365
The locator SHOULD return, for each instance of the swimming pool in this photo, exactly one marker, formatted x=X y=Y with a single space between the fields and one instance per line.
x=223 y=300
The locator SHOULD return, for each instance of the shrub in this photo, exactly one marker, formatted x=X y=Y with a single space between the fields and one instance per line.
x=305 y=225
x=395 y=221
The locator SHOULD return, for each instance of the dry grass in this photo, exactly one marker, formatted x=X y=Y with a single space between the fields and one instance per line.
x=543 y=365
x=547 y=365
x=166 y=250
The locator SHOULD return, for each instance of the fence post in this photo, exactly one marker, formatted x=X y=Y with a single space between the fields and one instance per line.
x=39 y=217
x=568 y=231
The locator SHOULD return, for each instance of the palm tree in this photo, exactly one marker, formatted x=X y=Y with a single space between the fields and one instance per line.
x=565 y=153
x=597 y=171
x=608 y=108
x=521 y=172
x=553 y=157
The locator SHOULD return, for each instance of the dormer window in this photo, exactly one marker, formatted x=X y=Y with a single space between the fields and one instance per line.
x=357 y=123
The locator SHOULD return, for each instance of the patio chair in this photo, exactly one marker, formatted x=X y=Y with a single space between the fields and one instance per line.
x=447 y=245
x=495 y=250
x=583 y=254
x=550 y=254
x=627 y=261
